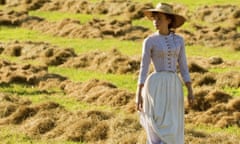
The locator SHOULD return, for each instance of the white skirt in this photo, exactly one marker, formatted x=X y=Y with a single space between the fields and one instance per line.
x=163 y=109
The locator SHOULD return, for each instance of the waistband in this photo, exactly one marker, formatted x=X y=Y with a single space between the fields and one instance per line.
x=166 y=71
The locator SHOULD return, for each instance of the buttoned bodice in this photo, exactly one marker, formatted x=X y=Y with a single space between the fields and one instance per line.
x=165 y=52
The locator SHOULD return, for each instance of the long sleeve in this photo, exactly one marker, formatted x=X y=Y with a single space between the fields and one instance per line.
x=145 y=62
x=182 y=61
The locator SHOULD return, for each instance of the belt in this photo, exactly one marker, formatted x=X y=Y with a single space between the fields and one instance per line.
x=167 y=71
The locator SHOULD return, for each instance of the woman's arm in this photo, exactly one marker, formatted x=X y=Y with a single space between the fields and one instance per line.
x=190 y=93
x=139 y=100
x=144 y=67
x=182 y=60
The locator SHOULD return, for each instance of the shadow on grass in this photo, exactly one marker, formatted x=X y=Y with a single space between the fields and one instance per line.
x=26 y=90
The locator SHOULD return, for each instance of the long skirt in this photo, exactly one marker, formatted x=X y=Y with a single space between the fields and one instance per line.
x=163 y=109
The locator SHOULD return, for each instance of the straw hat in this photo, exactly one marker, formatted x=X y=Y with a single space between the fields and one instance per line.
x=166 y=9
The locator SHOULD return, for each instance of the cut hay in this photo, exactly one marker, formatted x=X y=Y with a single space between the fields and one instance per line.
x=194 y=67
x=128 y=9
x=229 y=79
x=205 y=79
x=215 y=108
x=96 y=28
x=15 y=18
x=27 y=74
x=98 y=92
x=107 y=62
x=215 y=60
x=44 y=53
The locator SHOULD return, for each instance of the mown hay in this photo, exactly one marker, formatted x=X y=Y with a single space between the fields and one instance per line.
x=96 y=28
x=52 y=121
x=226 y=121
x=21 y=114
x=205 y=79
x=26 y=74
x=199 y=101
x=224 y=32
x=40 y=125
x=215 y=108
x=128 y=9
x=194 y=67
x=230 y=79
x=15 y=18
x=235 y=47
x=234 y=104
x=108 y=62
x=193 y=136
x=217 y=96
x=98 y=92
x=42 y=52
x=205 y=99
x=215 y=60
x=212 y=14
x=26 y=4
x=7 y=109
x=123 y=129
x=8 y=99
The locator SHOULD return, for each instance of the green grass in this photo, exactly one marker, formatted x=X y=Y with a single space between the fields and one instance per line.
x=144 y=22
x=225 y=69
x=11 y=135
x=235 y=92
x=85 y=45
x=124 y=81
x=58 y=16
x=56 y=95
x=26 y=90
x=206 y=52
x=192 y=5
x=79 y=45
x=211 y=129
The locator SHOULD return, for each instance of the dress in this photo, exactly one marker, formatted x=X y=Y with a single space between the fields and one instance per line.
x=163 y=105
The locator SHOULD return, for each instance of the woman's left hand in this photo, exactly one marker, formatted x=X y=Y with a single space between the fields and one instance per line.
x=190 y=99
x=190 y=94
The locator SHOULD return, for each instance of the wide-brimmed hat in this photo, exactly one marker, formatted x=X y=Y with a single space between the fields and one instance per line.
x=166 y=9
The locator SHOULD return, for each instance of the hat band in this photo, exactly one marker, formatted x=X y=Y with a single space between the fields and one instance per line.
x=165 y=8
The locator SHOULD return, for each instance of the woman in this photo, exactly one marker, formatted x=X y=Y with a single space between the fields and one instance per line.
x=160 y=96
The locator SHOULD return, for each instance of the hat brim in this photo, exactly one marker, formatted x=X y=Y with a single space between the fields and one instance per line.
x=179 y=20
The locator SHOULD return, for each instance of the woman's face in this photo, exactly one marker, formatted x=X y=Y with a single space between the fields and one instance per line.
x=160 y=21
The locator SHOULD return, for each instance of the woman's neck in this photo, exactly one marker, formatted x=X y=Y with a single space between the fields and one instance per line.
x=164 y=32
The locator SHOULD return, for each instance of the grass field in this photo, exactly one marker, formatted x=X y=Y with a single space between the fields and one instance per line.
x=122 y=81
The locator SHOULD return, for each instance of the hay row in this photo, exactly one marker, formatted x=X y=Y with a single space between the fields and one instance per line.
x=49 y=120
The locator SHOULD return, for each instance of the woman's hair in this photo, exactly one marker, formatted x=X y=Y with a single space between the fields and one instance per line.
x=169 y=16
x=172 y=18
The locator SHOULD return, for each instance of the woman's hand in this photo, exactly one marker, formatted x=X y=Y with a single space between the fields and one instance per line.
x=139 y=99
x=139 y=103
x=190 y=94
x=190 y=98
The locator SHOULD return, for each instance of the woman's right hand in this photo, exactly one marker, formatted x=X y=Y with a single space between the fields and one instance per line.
x=139 y=101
